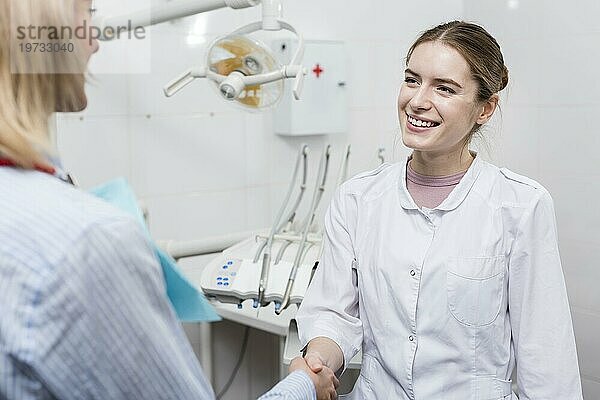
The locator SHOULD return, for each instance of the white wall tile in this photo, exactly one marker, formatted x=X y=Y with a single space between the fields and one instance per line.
x=333 y=19
x=213 y=23
x=174 y=155
x=277 y=193
x=129 y=54
x=189 y=217
x=577 y=220
x=285 y=152
x=146 y=90
x=552 y=98
x=591 y=389
x=522 y=57
x=361 y=88
x=107 y=96
x=388 y=72
x=587 y=326
x=259 y=143
x=364 y=139
x=580 y=18
x=565 y=81
x=569 y=145
x=516 y=19
x=116 y=7
x=387 y=117
x=388 y=134
x=515 y=138
x=581 y=273
x=398 y=21
x=94 y=150
x=259 y=208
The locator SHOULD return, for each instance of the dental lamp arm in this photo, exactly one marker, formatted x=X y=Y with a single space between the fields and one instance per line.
x=109 y=26
x=271 y=12
x=183 y=80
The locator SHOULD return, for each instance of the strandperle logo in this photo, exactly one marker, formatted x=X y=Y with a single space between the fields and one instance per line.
x=82 y=32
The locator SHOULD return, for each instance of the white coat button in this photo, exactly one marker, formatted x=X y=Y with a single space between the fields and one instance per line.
x=412 y=272
x=411 y=338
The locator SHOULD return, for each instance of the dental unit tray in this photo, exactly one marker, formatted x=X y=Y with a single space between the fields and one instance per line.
x=277 y=264
x=234 y=276
x=274 y=265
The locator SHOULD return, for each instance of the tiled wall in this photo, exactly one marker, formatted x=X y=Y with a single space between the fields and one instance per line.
x=205 y=168
x=549 y=133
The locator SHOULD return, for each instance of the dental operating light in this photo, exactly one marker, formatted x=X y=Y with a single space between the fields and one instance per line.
x=242 y=69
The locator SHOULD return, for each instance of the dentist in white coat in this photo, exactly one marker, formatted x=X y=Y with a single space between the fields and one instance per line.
x=444 y=269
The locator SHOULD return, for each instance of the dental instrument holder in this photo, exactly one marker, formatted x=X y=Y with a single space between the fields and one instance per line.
x=287 y=223
x=317 y=194
x=264 y=276
x=233 y=277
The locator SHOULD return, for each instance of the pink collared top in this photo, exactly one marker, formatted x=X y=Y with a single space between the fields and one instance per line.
x=430 y=191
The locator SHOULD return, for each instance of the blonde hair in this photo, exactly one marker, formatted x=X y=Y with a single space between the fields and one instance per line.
x=34 y=85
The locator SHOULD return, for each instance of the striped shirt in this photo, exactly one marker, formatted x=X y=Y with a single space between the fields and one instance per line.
x=83 y=309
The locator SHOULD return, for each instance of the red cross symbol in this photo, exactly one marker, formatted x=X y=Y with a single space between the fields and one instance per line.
x=318 y=70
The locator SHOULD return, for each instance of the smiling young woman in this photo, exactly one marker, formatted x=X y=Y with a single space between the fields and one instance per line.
x=453 y=75
x=444 y=269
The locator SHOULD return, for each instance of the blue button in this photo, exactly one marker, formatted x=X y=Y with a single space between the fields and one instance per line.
x=225 y=266
x=229 y=262
x=219 y=283
x=219 y=279
x=226 y=284
x=225 y=279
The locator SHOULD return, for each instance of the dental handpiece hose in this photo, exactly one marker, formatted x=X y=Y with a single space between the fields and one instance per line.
x=264 y=274
x=323 y=167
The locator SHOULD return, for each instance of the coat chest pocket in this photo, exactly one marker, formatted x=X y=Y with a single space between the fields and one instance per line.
x=475 y=289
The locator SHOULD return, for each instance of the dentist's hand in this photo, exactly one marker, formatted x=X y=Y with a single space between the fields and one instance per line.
x=323 y=378
x=314 y=361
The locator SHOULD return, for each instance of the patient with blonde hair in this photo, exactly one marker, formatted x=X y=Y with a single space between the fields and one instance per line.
x=83 y=306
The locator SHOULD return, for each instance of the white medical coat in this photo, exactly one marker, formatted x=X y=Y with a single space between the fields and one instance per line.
x=445 y=301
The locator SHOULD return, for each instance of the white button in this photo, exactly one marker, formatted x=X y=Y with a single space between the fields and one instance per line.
x=411 y=338
x=412 y=272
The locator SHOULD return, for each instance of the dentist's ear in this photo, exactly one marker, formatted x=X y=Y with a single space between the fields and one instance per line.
x=487 y=109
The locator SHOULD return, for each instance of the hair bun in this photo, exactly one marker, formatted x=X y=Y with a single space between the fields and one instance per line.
x=504 y=77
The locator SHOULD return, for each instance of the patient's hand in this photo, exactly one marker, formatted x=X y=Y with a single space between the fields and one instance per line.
x=323 y=378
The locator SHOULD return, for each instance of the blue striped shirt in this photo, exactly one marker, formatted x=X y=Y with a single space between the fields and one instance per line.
x=83 y=309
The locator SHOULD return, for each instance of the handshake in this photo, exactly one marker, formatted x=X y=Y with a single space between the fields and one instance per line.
x=322 y=376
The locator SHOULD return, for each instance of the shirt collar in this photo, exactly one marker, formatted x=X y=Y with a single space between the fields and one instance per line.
x=60 y=173
x=456 y=196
